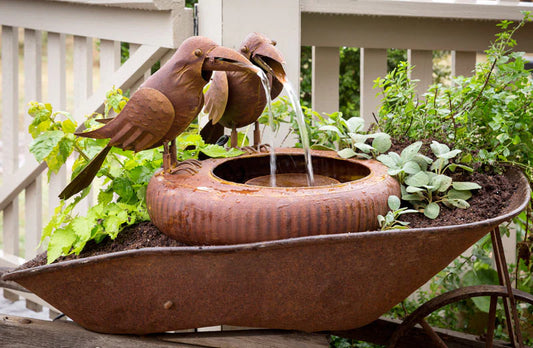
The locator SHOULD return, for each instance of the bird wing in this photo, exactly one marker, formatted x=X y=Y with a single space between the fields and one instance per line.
x=216 y=97
x=144 y=121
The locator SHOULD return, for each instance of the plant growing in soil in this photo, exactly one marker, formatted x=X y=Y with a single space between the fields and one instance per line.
x=121 y=199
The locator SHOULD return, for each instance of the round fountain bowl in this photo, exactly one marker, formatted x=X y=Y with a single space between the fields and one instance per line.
x=230 y=201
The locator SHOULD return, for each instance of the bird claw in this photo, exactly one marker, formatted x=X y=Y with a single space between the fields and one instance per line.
x=190 y=166
x=250 y=150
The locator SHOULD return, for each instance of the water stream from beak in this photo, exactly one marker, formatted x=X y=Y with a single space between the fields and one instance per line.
x=295 y=100
x=266 y=87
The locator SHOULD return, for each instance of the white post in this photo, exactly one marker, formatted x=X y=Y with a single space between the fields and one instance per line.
x=325 y=79
x=83 y=88
x=277 y=19
x=373 y=65
x=422 y=61
x=32 y=92
x=109 y=59
x=57 y=97
x=463 y=63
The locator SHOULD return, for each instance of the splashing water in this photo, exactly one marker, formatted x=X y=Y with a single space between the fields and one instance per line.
x=266 y=87
x=303 y=130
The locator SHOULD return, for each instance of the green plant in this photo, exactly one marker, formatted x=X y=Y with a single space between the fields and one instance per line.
x=121 y=200
x=390 y=221
x=423 y=181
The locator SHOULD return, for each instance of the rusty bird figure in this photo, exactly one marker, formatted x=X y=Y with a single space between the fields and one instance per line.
x=163 y=106
x=236 y=98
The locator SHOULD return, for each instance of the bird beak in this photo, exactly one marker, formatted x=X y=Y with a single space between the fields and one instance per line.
x=268 y=57
x=225 y=59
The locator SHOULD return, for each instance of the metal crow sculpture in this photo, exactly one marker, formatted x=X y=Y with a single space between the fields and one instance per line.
x=236 y=98
x=163 y=106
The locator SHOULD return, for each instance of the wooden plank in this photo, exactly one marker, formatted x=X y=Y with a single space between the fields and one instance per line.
x=10 y=130
x=250 y=339
x=373 y=65
x=325 y=79
x=404 y=32
x=166 y=28
x=422 y=62
x=24 y=332
x=458 y=9
x=57 y=96
x=32 y=92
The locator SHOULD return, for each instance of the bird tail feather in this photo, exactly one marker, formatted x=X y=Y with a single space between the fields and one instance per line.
x=85 y=176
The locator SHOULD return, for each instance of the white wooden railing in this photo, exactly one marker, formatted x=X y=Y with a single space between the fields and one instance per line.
x=48 y=53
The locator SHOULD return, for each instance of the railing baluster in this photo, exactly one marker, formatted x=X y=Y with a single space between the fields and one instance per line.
x=10 y=128
x=463 y=63
x=57 y=97
x=109 y=59
x=373 y=65
x=32 y=92
x=325 y=79
x=83 y=88
x=422 y=61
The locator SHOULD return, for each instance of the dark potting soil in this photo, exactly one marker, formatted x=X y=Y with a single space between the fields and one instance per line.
x=486 y=203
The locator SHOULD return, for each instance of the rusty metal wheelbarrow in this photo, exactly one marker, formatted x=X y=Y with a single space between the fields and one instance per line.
x=317 y=283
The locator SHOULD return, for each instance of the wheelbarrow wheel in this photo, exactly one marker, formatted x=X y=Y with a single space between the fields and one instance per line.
x=419 y=315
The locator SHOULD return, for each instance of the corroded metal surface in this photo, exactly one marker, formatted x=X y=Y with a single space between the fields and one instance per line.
x=214 y=206
x=325 y=282
x=164 y=105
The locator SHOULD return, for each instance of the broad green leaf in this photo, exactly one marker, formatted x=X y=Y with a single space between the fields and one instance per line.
x=441 y=182
x=382 y=142
x=355 y=124
x=140 y=174
x=216 y=151
x=432 y=210
x=44 y=144
x=414 y=189
x=363 y=147
x=105 y=197
x=346 y=153
x=463 y=186
x=68 y=126
x=123 y=187
x=411 y=167
x=439 y=164
x=330 y=128
x=387 y=160
x=454 y=166
x=455 y=194
x=458 y=203
x=418 y=179
x=112 y=225
x=449 y=155
x=410 y=151
x=438 y=148
x=394 y=202
x=60 y=243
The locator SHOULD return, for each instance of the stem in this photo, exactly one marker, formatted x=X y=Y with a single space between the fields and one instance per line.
x=80 y=151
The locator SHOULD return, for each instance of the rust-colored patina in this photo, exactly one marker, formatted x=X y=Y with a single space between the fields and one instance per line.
x=163 y=106
x=326 y=282
x=215 y=206
x=236 y=98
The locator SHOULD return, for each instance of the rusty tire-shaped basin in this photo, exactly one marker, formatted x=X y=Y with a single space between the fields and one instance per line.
x=316 y=283
x=223 y=203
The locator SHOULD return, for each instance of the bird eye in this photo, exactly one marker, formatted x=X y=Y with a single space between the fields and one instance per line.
x=245 y=49
x=198 y=52
x=274 y=43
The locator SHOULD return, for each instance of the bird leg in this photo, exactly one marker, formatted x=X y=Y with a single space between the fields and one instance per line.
x=167 y=160
x=257 y=135
x=234 y=137
x=173 y=154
